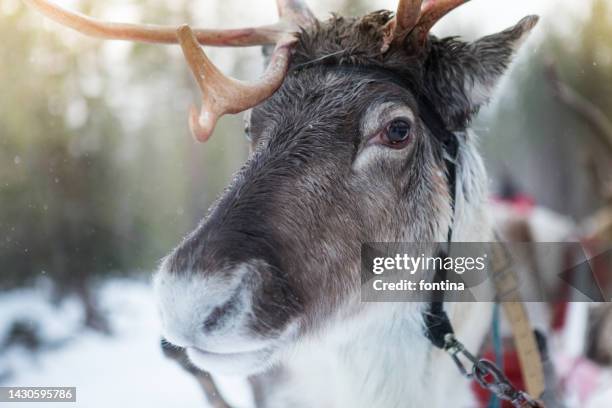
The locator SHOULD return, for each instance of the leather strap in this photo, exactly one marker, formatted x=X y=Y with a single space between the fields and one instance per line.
x=526 y=347
x=506 y=286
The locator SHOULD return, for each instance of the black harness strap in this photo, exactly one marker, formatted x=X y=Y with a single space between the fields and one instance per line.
x=437 y=323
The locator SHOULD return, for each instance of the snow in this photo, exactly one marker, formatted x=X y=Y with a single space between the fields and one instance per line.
x=33 y=305
x=128 y=369
x=125 y=369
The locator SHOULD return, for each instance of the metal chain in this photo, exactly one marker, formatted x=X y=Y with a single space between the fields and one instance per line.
x=488 y=375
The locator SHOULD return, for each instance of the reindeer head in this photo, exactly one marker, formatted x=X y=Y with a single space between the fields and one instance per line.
x=342 y=154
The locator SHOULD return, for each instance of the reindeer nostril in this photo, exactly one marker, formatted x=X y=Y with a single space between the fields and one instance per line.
x=221 y=314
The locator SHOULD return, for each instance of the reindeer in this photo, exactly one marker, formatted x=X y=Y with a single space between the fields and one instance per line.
x=342 y=127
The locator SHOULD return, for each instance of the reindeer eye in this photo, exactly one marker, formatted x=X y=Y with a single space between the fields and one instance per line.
x=396 y=134
x=398 y=131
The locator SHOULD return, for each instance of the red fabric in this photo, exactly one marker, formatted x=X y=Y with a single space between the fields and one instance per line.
x=522 y=203
x=559 y=309
x=559 y=314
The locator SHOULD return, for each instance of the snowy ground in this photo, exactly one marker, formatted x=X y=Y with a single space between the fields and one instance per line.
x=126 y=369
x=129 y=370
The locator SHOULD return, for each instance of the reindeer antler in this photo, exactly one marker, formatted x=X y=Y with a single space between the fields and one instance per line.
x=150 y=33
x=416 y=18
x=221 y=94
x=406 y=17
x=296 y=11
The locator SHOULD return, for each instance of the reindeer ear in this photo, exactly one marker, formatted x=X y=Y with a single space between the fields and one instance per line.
x=460 y=77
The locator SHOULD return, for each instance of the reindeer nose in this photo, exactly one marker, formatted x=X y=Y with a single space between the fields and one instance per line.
x=198 y=309
x=196 y=329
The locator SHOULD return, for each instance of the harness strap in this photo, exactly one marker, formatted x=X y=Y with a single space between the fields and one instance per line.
x=524 y=337
x=437 y=323
x=526 y=345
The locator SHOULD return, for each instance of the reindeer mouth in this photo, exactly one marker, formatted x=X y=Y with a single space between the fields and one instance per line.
x=240 y=363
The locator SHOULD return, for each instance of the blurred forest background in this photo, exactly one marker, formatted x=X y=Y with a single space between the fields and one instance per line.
x=100 y=177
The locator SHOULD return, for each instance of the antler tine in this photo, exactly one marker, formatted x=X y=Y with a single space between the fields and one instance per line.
x=296 y=11
x=150 y=33
x=416 y=17
x=432 y=12
x=406 y=17
x=222 y=94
